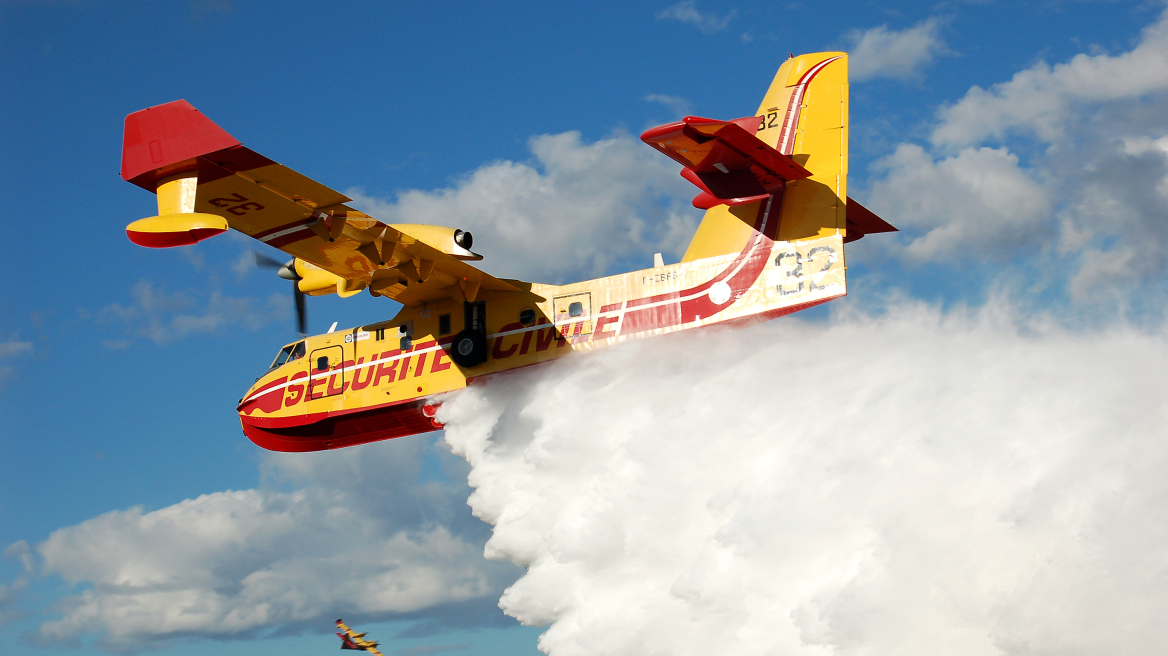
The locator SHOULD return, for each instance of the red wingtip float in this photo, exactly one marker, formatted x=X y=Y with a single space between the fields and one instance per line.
x=774 y=187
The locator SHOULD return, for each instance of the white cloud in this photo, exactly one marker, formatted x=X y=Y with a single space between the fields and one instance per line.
x=1042 y=99
x=361 y=535
x=1079 y=179
x=577 y=211
x=12 y=592
x=11 y=347
x=201 y=9
x=881 y=52
x=165 y=317
x=677 y=106
x=978 y=204
x=915 y=483
x=1117 y=215
x=9 y=594
x=686 y=12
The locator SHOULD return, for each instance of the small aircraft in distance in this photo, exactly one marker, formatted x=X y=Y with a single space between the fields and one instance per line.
x=773 y=184
x=350 y=640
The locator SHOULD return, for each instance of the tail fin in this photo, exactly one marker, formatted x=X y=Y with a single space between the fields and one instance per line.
x=802 y=125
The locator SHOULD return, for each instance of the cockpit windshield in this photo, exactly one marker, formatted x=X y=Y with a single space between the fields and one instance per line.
x=287 y=354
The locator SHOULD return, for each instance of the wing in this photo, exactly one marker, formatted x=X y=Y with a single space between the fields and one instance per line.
x=724 y=159
x=282 y=208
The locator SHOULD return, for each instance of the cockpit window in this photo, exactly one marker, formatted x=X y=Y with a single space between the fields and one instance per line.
x=288 y=354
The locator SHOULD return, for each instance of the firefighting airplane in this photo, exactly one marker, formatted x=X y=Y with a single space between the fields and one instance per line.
x=774 y=187
x=350 y=640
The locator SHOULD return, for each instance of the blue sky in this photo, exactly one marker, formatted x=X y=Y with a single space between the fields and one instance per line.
x=1021 y=147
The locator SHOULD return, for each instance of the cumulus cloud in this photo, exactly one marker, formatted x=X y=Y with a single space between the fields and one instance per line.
x=1115 y=219
x=913 y=483
x=686 y=12
x=361 y=535
x=164 y=317
x=12 y=592
x=1067 y=162
x=9 y=593
x=678 y=106
x=1043 y=99
x=201 y=9
x=978 y=204
x=576 y=211
x=11 y=347
x=880 y=52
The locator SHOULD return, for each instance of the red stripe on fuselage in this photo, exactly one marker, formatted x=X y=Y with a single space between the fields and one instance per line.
x=695 y=303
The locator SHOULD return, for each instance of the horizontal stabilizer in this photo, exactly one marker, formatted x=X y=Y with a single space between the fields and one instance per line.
x=724 y=159
x=861 y=221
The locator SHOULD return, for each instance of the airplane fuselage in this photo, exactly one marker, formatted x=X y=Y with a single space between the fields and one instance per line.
x=378 y=381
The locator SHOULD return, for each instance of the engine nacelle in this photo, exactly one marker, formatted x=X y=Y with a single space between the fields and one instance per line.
x=451 y=241
x=315 y=281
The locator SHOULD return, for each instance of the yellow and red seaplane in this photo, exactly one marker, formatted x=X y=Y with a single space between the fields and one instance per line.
x=774 y=187
x=357 y=641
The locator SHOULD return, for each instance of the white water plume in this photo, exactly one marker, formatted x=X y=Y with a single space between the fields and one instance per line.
x=914 y=484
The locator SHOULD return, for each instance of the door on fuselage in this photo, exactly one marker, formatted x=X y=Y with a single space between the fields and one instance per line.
x=475 y=316
x=326 y=372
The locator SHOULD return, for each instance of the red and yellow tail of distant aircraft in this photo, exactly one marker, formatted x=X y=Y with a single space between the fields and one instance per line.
x=774 y=187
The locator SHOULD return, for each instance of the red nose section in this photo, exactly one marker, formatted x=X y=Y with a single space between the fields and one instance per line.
x=340 y=429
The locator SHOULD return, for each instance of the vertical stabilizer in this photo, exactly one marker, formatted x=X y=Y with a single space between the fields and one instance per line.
x=804 y=116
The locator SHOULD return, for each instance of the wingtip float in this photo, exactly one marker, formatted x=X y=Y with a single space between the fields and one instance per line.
x=774 y=187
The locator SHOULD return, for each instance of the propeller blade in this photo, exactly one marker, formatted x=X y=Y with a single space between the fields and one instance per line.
x=287 y=271
x=301 y=309
x=265 y=261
